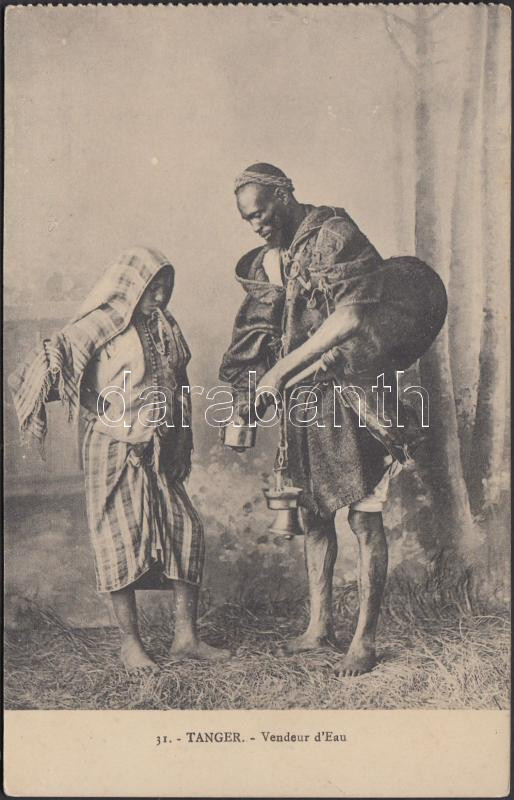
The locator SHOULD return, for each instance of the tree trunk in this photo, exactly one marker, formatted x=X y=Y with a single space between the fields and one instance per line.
x=445 y=476
x=489 y=431
x=401 y=215
x=466 y=283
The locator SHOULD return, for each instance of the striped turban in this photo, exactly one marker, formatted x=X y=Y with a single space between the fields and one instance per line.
x=264 y=175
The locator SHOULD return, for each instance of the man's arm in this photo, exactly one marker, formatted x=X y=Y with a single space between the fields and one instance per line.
x=339 y=326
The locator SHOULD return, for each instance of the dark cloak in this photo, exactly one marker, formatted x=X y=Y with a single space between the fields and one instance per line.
x=403 y=304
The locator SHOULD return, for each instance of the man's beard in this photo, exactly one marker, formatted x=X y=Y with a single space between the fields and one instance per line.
x=276 y=238
x=279 y=233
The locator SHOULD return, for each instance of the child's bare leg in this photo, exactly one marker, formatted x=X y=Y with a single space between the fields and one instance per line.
x=133 y=654
x=186 y=642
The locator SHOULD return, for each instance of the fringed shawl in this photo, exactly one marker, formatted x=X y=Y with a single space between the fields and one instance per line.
x=56 y=366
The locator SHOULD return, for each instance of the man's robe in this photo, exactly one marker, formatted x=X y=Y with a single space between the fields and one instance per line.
x=331 y=263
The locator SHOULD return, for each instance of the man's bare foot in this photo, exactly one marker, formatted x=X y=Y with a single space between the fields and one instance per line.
x=134 y=656
x=308 y=641
x=198 y=649
x=358 y=660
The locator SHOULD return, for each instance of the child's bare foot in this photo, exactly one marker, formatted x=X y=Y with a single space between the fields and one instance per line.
x=195 y=648
x=134 y=656
x=358 y=660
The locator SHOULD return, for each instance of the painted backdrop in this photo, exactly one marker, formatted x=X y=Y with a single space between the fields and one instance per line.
x=130 y=127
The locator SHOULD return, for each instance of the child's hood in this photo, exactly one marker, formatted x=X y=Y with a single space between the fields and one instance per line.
x=124 y=283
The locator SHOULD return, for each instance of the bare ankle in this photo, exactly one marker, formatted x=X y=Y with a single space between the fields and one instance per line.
x=365 y=643
x=323 y=630
x=184 y=642
x=130 y=639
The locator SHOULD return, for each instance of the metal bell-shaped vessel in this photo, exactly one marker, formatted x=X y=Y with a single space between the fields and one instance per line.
x=285 y=502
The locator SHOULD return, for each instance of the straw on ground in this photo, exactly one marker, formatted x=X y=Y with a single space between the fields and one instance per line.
x=435 y=652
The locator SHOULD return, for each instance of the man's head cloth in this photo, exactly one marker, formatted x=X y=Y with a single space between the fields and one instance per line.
x=264 y=175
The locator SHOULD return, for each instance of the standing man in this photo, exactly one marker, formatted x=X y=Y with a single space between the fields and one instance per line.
x=309 y=290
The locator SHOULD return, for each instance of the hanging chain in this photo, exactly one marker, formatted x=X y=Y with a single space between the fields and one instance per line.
x=291 y=273
x=280 y=467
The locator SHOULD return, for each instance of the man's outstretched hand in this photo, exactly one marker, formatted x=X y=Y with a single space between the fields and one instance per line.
x=275 y=380
x=252 y=412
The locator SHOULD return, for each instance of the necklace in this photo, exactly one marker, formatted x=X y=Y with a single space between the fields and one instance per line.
x=159 y=343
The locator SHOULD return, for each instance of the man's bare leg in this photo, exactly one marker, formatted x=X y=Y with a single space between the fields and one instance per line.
x=186 y=643
x=132 y=653
x=371 y=576
x=320 y=558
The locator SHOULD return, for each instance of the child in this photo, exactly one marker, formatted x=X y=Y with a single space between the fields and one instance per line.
x=137 y=445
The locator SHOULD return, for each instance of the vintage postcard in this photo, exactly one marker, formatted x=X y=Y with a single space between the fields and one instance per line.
x=256 y=400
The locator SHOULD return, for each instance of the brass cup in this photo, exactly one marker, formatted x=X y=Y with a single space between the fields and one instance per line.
x=240 y=437
x=285 y=503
